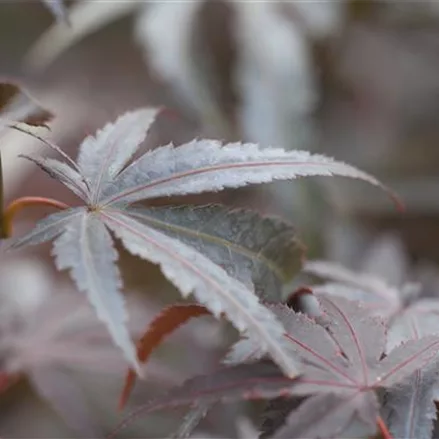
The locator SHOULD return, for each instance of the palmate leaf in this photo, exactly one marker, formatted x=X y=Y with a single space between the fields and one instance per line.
x=339 y=384
x=342 y=356
x=188 y=256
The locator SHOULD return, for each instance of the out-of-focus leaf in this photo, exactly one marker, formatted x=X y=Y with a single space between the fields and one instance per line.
x=65 y=397
x=16 y=105
x=197 y=58
x=373 y=291
x=85 y=17
x=57 y=339
x=58 y=9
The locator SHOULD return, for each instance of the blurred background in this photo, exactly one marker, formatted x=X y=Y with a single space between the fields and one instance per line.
x=357 y=80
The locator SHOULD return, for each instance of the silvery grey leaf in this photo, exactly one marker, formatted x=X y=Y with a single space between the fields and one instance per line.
x=256 y=250
x=409 y=409
x=360 y=336
x=63 y=173
x=191 y=420
x=207 y=165
x=415 y=322
x=86 y=249
x=308 y=340
x=405 y=359
x=327 y=416
x=101 y=157
x=191 y=272
x=48 y=228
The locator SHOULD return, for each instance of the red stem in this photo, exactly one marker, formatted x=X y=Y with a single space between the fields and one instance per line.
x=19 y=204
x=385 y=433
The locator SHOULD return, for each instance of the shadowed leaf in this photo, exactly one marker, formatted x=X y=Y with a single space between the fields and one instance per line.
x=257 y=250
x=250 y=381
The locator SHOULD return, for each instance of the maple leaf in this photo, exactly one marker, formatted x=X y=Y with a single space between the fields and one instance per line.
x=343 y=366
x=173 y=239
x=408 y=409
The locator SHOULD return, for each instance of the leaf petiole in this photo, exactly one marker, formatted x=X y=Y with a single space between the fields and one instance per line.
x=19 y=204
x=385 y=433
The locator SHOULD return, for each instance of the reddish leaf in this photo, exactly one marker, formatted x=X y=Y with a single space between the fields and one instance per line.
x=163 y=325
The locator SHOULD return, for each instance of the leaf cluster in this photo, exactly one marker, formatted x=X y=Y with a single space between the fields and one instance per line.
x=335 y=365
